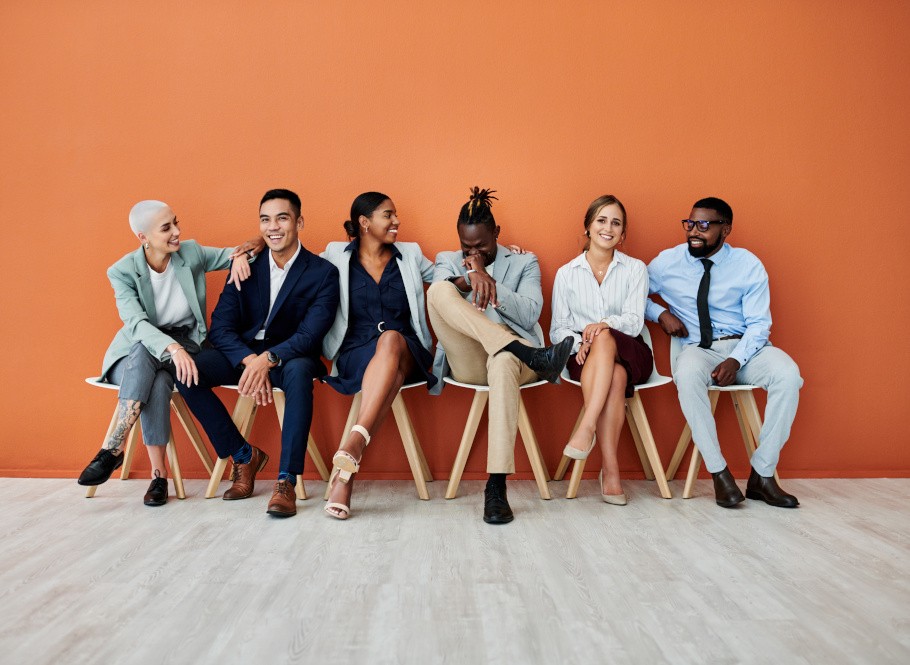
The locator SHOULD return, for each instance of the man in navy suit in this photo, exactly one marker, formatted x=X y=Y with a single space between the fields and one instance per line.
x=269 y=333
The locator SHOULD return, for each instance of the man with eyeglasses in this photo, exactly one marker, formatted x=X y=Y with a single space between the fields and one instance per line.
x=719 y=306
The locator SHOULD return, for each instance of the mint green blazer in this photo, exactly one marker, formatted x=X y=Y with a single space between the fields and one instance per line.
x=136 y=301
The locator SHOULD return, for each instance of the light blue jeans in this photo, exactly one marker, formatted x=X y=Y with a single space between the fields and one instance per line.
x=770 y=368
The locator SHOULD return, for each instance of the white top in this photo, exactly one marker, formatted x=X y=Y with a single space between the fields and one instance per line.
x=618 y=301
x=276 y=279
x=171 y=305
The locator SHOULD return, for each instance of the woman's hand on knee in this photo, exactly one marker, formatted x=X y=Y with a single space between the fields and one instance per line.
x=184 y=364
x=592 y=330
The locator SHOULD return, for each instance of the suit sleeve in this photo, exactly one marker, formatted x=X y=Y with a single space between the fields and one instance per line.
x=216 y=258
x=225 y=331
x=427 y=270
x=134 y=316
x=523 y=305
x=319 y=317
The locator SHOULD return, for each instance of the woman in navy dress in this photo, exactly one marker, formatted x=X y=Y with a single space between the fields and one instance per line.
x=380 y=339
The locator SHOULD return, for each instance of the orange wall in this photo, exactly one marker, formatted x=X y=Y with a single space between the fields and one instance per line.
x=796 y=113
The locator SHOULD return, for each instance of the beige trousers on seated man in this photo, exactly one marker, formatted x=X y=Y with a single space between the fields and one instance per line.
x=472 y=343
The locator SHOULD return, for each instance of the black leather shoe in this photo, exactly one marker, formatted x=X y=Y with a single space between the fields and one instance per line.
x=100 y=468
x=550 y=361
x=157 y=494
x=496 y=509
x=726 y=493
x=767 y=490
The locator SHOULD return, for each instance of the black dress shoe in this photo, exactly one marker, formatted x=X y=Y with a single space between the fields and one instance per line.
x=100 y=468
x=767 y=490
x=157 y=494
x=726 y=493
x=550 y=361
x=496 y=509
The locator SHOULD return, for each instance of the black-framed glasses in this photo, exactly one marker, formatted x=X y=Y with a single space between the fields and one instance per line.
x=689 y=224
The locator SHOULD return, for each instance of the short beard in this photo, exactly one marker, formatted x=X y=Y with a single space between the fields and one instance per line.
x=704 y=250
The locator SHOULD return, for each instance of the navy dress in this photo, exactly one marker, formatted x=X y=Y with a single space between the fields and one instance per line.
x=370 y=305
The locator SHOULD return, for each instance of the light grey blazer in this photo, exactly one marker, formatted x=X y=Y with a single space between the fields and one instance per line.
x=517 y=290
x=136 y=300
x=415 y=269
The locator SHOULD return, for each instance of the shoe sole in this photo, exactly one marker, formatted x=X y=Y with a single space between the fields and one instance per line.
x=155 y=503
x=498 y=521
x=755 y=496
x=280 y=513
x=730 y=504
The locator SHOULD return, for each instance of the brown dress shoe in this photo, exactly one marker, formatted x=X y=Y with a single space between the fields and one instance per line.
x=244 y=476
x=767 y=490
x=284 y=500
x=726 y=493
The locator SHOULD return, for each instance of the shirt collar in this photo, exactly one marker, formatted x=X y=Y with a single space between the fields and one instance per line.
x=581 y=260
x=290 y=261
x=354 y=245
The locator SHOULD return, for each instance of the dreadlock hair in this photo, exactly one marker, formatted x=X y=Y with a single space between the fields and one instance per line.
x=365 y=205
x=479 y=208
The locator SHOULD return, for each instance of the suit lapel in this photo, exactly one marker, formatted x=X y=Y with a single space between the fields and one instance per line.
x=501 y=265
x=295 y=271
x=144 y=282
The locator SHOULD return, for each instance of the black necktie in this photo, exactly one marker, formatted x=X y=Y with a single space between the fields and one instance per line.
x=701 y=301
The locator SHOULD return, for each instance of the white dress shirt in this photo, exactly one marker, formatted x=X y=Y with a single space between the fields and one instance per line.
x=277 y=276
x=618 y=301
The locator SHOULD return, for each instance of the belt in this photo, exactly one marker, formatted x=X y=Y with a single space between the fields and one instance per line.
x=721 y=339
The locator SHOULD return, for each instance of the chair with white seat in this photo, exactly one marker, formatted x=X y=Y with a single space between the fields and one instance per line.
x=243 y=416
x=420 y=470
x=747 y=415
x=638 y=426
x=183 y=415
x=479 y=403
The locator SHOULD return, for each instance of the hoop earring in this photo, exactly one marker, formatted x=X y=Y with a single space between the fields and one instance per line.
x=587 y=234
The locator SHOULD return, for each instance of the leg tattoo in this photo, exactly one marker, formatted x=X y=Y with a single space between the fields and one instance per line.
x=127 y=415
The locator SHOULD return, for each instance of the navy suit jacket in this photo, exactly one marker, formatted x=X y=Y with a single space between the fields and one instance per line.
x=303 y=313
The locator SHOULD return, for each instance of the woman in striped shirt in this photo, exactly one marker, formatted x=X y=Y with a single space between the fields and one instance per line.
x=599 y=300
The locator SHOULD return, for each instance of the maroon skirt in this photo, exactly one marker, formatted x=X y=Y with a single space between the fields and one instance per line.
x=632 y=353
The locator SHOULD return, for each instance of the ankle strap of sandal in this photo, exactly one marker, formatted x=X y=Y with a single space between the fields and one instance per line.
x=362 y=431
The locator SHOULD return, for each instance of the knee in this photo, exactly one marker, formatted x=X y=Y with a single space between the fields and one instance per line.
x=139 y=355
x=300 y=372
x=788 y=379
x=391 y=342
x=439 y=290
x=691 y=376
x=162 y=385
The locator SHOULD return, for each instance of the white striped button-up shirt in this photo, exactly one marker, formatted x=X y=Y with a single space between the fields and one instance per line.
x=618 y=301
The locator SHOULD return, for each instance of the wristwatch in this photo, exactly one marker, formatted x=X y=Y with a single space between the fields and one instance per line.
x=274 y=359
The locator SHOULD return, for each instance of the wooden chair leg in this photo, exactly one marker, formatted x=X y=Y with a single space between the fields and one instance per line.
x=428 y=476
x=648 y=443
x=410 y=446
x=186 y=420
x=565 y=461
x=541 y=475
x=217 y=474
x=90 y=491
x=300 y=489
x=753 y=418
x=316 y=457
x=694 y=466
x=575 y=478
x=175 y=468
x=478 y=404
x=348 y=424
x=639 y=446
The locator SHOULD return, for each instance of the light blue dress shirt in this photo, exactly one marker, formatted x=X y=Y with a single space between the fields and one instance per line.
x=739 y=300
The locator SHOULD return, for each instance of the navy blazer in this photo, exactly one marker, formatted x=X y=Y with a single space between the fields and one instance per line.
x=303 y=313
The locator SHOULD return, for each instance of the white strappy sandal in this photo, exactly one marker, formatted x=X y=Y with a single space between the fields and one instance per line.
x=344 y=511
x=345 y=463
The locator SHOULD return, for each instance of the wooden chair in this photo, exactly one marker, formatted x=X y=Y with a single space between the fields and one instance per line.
x=244 y=414
x=638 y=425
x=420 y=470
x=481 y=396
x=746 y=414
x=183 y=415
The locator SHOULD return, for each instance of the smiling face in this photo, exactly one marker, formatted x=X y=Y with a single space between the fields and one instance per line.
x=163 y=232
x=608 y=228
x=705 y=243
x=279 y=225
x=382 y=224
x=480 y=240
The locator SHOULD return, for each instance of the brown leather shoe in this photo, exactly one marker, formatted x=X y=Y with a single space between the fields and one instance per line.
x=284 y=500
x=767 y=490
x=244 y=476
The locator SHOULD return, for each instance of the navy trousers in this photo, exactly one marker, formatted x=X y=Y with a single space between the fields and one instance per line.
x=294 y=377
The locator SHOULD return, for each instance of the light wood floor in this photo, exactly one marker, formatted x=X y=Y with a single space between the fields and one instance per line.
x=107 y=580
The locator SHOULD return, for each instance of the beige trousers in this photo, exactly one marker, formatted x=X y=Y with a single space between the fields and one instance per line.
x=472 y=343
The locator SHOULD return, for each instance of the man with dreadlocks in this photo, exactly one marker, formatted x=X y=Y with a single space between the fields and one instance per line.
x=484 y=304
